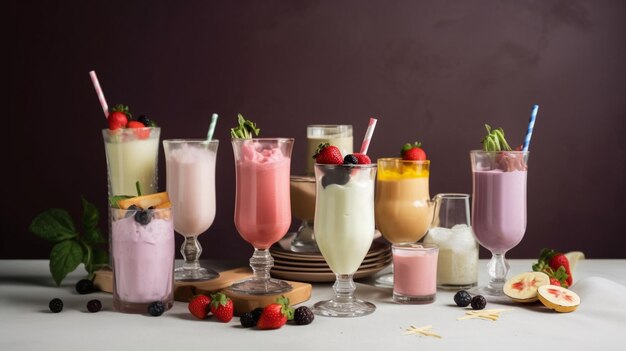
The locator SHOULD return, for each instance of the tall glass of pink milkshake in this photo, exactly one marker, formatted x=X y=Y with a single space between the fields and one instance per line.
x=262 y=206
x=190 y=167
x=498 y=208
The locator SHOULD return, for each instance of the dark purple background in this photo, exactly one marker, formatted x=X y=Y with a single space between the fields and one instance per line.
x=429 y=70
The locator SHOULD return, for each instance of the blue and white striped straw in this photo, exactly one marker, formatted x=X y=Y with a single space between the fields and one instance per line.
x=531 y=125
x=209 y=135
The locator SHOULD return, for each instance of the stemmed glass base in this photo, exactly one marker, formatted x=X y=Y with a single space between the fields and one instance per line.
x=191 y=271
x=497 y=268
x=261 y=283
x=344 y=304
x=304 y=240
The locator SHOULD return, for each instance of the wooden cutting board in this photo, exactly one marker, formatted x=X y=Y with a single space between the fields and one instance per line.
x=183 y=291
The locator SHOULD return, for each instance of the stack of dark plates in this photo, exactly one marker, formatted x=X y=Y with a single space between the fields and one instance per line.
x=311 y=266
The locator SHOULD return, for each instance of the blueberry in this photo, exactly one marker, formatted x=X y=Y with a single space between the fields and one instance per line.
x=94 y=306
x=247 y=320
x=462 y=298
x=84 y=286
x=156 y=308
x=350 y=160
x=478 y=302
x=303 y=316
x=56 y=305
x=146 y=121
x=131 y=210
x=143 y=217
x=337 y=175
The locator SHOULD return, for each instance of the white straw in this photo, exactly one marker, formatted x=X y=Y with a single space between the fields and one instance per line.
x=368 y=135
x=209 y=135
x=103 y=101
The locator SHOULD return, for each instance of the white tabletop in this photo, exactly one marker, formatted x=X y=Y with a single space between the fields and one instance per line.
x=26 y=323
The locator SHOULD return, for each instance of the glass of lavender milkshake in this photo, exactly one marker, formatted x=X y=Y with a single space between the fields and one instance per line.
x=498 y=209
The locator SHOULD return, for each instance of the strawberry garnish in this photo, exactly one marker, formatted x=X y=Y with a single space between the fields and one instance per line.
x=118 y=117
x=328 y=154
x=413 y=152
x=222 y=307
x=199 y=306
x=141 y=132
x=363 y=158
x=556 y=266
x=275 y=315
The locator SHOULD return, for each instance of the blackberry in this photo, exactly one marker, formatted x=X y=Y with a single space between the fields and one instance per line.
x=350 y=160
x=143 y=217
x=56 y=305
x=84 y=286
x=303 y=316
x=462 y=298
x=478 y=302
x=247 y=320
x=146 y=121
x=94 y=306
x=256 y=313
x=156 y=308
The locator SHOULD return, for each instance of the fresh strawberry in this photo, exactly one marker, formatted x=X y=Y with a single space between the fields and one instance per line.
x=118 y=117
x=413 y=152
x=222 y=307
x=199 y=306
x=363 y=158
x=328 y=154
x=275 y=315
x=555 y=265
x=141 y=132
x=560 y=260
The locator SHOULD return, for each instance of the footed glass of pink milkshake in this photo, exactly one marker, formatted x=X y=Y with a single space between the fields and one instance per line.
x=262 y=206
x=498 y=208
x=190 y=170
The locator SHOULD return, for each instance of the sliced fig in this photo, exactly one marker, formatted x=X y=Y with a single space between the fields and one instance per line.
x=523 y=287
x=558 y=298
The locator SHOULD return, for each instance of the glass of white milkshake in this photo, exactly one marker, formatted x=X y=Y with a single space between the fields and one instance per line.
x=190 y=171
x=344 y=230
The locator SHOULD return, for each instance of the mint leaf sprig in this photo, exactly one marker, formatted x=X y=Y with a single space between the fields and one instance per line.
x=246 y=129
x=72 y=248
x=494 y=140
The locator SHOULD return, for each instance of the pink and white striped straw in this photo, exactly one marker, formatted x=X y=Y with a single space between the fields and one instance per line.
x=103 y=101
x=368 y=135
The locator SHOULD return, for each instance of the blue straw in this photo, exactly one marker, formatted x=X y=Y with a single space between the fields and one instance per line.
x=209 y=135
x=531 y=125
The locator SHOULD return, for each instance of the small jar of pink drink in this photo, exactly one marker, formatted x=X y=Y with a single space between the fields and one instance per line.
x=414 y=273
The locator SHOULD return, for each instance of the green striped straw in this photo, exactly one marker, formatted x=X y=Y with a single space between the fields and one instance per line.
x=209 y=135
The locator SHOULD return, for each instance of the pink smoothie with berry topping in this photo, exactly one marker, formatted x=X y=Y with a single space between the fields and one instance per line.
x=263 y=207
x=499 y=209
x=142 y=260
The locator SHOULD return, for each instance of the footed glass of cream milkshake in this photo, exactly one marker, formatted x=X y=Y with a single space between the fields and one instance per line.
x=132 y=155
x=344 y=230
x=142 y=258
x=404 y=210
x=498 y=208
x=262 y=206
x=190 y=169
